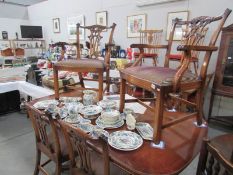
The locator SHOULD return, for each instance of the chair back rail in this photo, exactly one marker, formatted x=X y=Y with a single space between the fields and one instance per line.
x=192 y=38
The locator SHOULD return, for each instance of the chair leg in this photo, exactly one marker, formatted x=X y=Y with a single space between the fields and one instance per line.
x=81 y=79
x=159 y=106
x=154 y=61
x=38 y=158
x=56 y=84
x=211 y=106
x=122 y=94
x=58 y=169
x=199 y=102
x=107 y=81
x=195 y=68
x=101 y=82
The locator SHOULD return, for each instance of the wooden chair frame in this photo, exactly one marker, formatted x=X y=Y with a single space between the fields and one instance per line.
x=94 y=37
x=175 y=86
x=151 y=37
x=211 y=157
x=41 y=124
x=77 y=146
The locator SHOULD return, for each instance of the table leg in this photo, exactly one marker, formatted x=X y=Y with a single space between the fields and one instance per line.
x=56 y=83
x=122 y=94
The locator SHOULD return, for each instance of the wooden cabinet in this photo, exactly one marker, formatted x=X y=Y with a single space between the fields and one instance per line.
x=223 y=81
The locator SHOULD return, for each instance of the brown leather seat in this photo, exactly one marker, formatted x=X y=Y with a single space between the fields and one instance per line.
x=87 y=63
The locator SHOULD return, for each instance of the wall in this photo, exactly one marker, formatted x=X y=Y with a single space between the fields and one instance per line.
x=118 y=10
x=11 y=17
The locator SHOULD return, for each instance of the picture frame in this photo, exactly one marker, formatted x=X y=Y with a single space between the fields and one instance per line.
x=56 y=25
x=181 y=15
x=71 y=26
x=102 y=18
x=135 y=23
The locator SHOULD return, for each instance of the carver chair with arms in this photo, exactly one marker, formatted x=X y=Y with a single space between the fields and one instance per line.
x=92 y=64
x=49 y=141
x=195 y=54
x=151 y=37
x=216 y=156
x=164 y=81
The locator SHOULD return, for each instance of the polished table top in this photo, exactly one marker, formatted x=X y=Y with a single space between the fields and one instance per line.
x=182 y=144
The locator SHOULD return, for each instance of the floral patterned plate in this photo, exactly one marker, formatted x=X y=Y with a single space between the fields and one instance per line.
x=45 y=104
x=91 y=110
x=107 y=104
x=125 y=140
x=70 y=99
x=99 y=122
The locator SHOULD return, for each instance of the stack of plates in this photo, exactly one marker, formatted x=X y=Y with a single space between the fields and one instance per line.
x=110 y=119
x=45 y=104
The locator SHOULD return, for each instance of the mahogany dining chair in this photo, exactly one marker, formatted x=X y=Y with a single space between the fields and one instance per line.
x=49 y=140
x=164 y=81
x=85 y=160
x=216 y=156
x=152 y=37
x=93 y=64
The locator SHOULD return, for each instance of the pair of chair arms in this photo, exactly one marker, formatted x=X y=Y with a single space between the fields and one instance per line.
x=179 y=48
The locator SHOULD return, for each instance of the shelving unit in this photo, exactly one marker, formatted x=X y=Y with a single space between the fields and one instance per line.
x=32 y=47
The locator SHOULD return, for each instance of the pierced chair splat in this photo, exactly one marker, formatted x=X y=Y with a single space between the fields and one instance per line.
x=49 y=141
x=93 y=64
x=164 y=81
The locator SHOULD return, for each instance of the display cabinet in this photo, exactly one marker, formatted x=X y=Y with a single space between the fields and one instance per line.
x=223 y=81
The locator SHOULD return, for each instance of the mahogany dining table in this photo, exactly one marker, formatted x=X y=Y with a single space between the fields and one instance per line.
x=182 y=144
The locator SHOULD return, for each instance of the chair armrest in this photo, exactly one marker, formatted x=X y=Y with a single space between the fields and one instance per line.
x=145 y=46
x=196 y=48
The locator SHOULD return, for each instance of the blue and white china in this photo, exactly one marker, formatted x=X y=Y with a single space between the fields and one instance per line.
x=145 y=130
x=45 y=104
x=107 y=104
x=102 y=124
x=74 y=108
x=125 y=140
x=73 y=118
x=70 y=99
x=85 y=127
x=89 y=97
x=90 y=110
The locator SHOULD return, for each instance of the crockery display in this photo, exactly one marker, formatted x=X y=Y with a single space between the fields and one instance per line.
x=91 y=110
x=89 y=97
x=45 y=104
x=70 y=99
x=145 y=130
x=125 y=140
x=107 y=104
x=102 y=124
x=74 y=118
x=86 y=127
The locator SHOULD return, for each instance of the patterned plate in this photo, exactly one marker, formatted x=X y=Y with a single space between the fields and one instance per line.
x=74 y=118
x=70 y=99
x=91 y=110
x=99 y=122
x=44 y=104
x=107 y=104
x=145 y=130
x=125 y=140
x=86 y=127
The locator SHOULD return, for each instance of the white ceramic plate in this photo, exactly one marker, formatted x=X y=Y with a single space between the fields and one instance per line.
x=91 y=110
x=70 y=99
x=107 y=104
x=125 y=140
x=44 y=104
x=99 y=122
